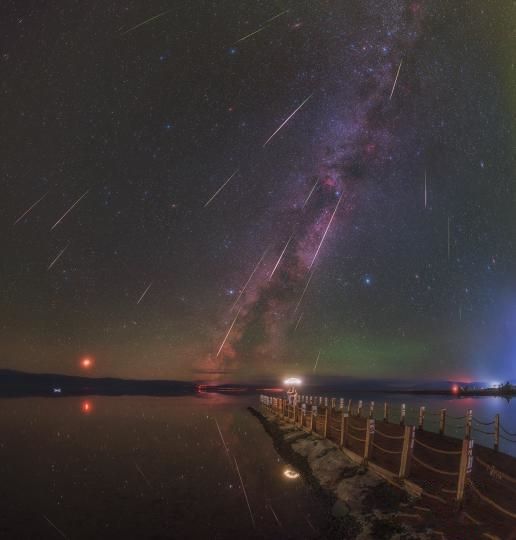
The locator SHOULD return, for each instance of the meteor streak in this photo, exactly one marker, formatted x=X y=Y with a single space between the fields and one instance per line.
x=29 y=209
x=276 y=16
x=249 y=280
x=245 y=493
x=142 y=474
x=396 y=79
x=281 y=256
x=229 y=331
x=317 y=360
x=58 y=257
x=69 y=209
x=221 y=437
x=145 y=22
x=265 y=25
x=298 y=321
x=303 y=294
x=326 y=231
x=426 y=199
x=144 y=293
x=310 y=194
x=285 y=121
x=54 y=526
x=275 y=516
x=220 y=189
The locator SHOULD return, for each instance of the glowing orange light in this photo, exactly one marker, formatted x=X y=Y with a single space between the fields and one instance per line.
x=86 y=407
x=86 y=363
x=455 y=389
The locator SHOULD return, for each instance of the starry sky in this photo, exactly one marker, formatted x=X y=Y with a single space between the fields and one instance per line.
x=227 y=190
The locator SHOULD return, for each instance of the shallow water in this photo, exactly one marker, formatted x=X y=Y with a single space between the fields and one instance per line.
x=145 y=467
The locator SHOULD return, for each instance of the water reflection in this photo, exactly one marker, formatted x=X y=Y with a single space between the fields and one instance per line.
x=291 y=474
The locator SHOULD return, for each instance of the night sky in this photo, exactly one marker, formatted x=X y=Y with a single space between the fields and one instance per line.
x=133 y=114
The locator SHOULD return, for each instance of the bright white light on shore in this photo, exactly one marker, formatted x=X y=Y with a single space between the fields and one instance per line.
x=293 y=381
x=290 y=474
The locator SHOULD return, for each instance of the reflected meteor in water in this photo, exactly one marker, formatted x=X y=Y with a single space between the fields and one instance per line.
x=142 y=474
x=326 y=231
x=70 y=209
x=55 y=527
x=58 y=257
x=245 y=493
x=281 y=256
x=229 y=331
x=249 y=280
x=220 y=189
x=29 y=209
x=285 y=122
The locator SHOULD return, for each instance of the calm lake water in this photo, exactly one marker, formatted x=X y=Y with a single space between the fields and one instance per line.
x=147 y=467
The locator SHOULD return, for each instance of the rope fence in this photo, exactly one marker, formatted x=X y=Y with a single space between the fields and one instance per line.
x=438 y=450
x=434 y=469
x=385 y=449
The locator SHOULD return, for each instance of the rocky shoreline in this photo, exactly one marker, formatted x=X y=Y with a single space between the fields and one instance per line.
x=363 y=505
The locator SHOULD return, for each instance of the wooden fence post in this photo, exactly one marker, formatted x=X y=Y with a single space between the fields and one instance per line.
x=369 y=439
x=325 y=432
x=343 y=427
x=333 y=400
x=406 y=452
x=314 y=418
x=349 y=407
x=359 y=409
x=496 y=432
x=442 y=422
x=341 y=404
x=469 y=421
x=385 y=412
x=311 y=418
x=421 y=417
x=466 y=462
x=303 y=415
x=371 y=409
x=402 y=414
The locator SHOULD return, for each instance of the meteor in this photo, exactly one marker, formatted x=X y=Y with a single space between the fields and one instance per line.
x=144 y=293
x=310 y=194
x=317 y=360
x=229 y=331
x=142 y=474
x=220 y=189
x=58 y=257
x=245 y=493
x=281 y=256
x=303 y=295
x=283 y=124
x=265 y=25
x=298 y=321
x=426 y=198
x=29 y=209
x=55 y=527
x=249 y=280
x=326 y=231
x=145 y=22
x=69 y=209
x=396 y=79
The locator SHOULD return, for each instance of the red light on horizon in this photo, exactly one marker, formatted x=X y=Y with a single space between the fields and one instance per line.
x=455 y=389
x=86 y=407
x=86 y=362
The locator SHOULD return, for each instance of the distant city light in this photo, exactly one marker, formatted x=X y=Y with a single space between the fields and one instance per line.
x=290 y=474
x=292 y=381
x=455 y=389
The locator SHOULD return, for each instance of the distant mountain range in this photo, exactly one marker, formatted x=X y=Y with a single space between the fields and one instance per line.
x=19 y=383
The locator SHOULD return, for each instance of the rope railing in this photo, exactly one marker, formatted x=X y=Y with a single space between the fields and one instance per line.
x=439 y=451
x=490 y=501
x=483 y=423
x=356 y=428
x=356 y=438
x=433 y=469
x=506 y=439
x=382 y=434
x=494 y=472
x=457 y=417
x=484 y=432
x=507 y=432
x=382 y=449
